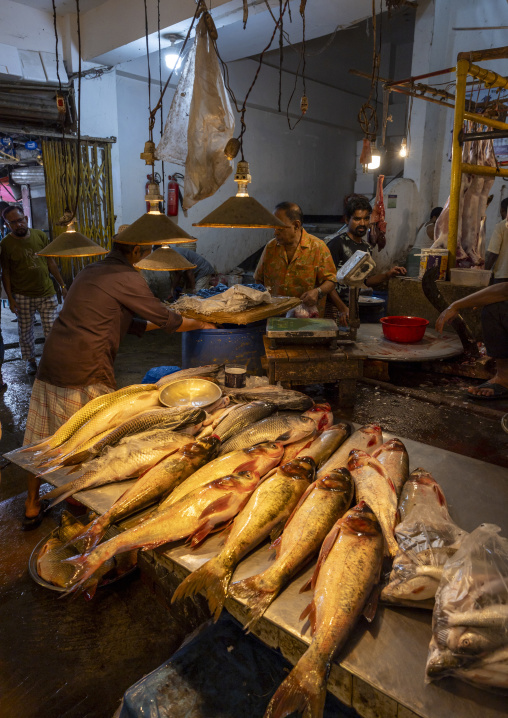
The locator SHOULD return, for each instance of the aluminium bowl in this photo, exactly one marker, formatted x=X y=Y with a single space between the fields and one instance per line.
x=404 y=330
x=193 y=392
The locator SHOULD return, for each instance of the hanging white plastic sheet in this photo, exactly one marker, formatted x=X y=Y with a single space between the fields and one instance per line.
x=199 y=123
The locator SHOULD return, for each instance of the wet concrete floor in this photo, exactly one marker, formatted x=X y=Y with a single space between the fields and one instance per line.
x=69 y=658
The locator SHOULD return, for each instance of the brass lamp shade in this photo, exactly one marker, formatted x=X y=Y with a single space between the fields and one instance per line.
x=240 y=211
x=164 y=259
x=72 y=244
x=154 y=228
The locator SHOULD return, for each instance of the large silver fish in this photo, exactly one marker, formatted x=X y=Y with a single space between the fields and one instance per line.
x=374 y=486
x=193 y=517
x=348 y=569
x=393 y=456
x=285 y=428
x=368 y=439
x=156 y=483
x=241 y=417
x=284 y=399
x=325 y=501
x=130 y=458
x=269 y=506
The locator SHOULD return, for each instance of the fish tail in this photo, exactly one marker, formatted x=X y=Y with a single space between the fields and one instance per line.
x=213 y=579
x=304 y=690
x=76 y=458
x=84 y=566
x=258 y=599
x=91 y=535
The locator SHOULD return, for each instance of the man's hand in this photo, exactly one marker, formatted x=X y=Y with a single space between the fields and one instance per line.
x=343 y=317
x=445 y=317
x=396 y=272
x=13 y=306
x=206 y=325
x=310 y=298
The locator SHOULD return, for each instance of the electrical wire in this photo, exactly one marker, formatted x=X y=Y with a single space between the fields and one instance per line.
x=148 y=66
x=78 y=119
x=160 y=85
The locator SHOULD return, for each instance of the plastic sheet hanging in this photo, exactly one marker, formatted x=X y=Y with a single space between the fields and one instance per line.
x=199 y=123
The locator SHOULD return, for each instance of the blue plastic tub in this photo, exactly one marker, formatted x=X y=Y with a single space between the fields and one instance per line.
x=228 y=343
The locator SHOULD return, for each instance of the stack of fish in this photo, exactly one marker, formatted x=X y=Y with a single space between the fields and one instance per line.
x=470 y=620
x=427 y=537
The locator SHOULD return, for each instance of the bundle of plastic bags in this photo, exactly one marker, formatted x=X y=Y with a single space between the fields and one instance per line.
x=235 y=299
x=470 y=620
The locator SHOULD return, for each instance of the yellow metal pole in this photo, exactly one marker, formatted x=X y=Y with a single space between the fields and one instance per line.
x=484 y=170
x=488 y=77
x=456 y=178
x=483 y=120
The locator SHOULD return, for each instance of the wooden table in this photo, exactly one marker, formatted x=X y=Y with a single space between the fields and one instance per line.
x=307 y=364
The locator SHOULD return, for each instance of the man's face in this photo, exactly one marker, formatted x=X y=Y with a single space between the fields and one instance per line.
x=358 y=223
x=288 y=234
x=17 y=222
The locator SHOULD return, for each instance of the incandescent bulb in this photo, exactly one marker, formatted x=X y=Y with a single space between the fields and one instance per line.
x=173 y=61
x=403 y=148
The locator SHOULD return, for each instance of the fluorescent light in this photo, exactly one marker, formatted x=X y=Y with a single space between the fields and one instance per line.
x=173 y=61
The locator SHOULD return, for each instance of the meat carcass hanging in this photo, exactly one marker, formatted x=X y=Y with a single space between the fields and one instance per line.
x=199 y=123
x=474 y=194
x=377 y=236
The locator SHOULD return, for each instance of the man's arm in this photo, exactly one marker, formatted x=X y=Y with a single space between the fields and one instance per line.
x=489 y=295
x=379 y=278
x=312 y=297
x=490 y=259
x=53 y=268
x=6 y=281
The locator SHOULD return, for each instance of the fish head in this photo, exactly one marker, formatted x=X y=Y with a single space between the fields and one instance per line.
x=321 y=415
x=373 y=434
x=361 y=520
x=337 y=480
x=208 y=446
x=302 y=468
x=357 y=459
x=422 y=478
x=267 y=449
x=239 y=482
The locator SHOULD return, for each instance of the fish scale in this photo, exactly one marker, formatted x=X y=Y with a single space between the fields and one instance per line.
x=285 y=427
x=242 y=417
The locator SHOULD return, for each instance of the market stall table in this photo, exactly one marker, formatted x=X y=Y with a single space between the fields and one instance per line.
x=381 y=670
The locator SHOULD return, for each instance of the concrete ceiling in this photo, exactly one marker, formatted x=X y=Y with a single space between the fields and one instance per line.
x=63 y=7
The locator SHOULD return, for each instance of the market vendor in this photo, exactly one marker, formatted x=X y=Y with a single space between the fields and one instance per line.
x=294 y=263
x=192 y=280
x=346 y=243
x=494 y=303
x=77 y=361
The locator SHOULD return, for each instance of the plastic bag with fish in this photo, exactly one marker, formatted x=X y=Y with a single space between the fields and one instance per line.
x=470 y=620
x=427 y=538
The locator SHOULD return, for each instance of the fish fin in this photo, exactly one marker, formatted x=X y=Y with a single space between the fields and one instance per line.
x=78 y=458
x=91 y=534
x=302 y=499
x=306 y=586
x=303 y=691
x=310 y=613
x=370 y=607
x=284 y=436
x=267 y=476
x=195 y=540
x=258 y=599
x=247 y=466
x=276 y=532
x=212 y=579
x=89 y=591
x=276 y=545
x=326 y=547
x=217 y=506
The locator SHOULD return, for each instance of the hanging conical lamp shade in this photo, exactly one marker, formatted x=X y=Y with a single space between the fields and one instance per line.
x=241 y=210
x=72 y=244
x=164 y=259
x=154 y=228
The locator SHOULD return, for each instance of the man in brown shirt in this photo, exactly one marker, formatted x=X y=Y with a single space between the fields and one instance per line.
x=78 y=356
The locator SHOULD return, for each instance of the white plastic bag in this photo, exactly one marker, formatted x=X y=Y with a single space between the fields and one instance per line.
x=302 y=311
x=200 y=123
x=470 y=620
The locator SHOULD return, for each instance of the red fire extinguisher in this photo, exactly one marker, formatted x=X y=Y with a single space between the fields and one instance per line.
x=172 y=204
x=174 y=194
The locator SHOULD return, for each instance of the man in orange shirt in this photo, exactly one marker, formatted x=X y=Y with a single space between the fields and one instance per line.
x=296 y=264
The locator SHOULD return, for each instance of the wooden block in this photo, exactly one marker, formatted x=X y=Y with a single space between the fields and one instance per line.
x=340 y=684
x=346 y=391
x=370 y=703
x=406 y=713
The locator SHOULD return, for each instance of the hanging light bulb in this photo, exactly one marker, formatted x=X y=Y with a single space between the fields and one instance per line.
x=173 y=60
x=165 y=259
x=72 y=244
x=403 y=148
x=154 y=227
x=376 y=157
x=241 y=210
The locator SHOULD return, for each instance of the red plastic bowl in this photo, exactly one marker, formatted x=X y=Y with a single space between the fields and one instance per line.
x=405 y=330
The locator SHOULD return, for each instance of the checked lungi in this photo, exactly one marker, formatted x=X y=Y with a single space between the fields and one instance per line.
x=27 y=306
x=51 y=406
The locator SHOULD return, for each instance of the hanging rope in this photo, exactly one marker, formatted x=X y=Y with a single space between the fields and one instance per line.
x=304 y=103
x=160 y=84
x=367 y=116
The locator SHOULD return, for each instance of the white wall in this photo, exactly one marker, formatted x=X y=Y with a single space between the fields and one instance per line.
x=26 y=28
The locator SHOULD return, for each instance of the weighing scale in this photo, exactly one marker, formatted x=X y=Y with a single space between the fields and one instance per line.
x=353 y=274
